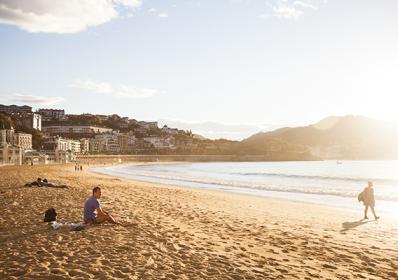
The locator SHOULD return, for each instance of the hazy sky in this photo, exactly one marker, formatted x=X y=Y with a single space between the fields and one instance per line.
x=248 y=63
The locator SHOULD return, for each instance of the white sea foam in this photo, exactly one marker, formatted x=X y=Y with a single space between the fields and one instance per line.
x=322 y=182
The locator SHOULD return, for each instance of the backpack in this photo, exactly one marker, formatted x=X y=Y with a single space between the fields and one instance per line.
x=50 y=215
x=361 y=196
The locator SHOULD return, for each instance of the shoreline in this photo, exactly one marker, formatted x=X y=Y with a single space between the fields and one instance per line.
x=177 y=233
x=158 y=184
x=345 y=203
x=244 y=196
x=190 y=158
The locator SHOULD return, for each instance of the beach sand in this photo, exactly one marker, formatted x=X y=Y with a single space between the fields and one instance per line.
x=177 y=233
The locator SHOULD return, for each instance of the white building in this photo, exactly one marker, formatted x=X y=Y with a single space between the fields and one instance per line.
x=23 y=140
x=127 y=142
x=170 y=131
x=113 y=142
x=9 y=153
x=160 y=142
x=60 y=156
x=36 y=120
x=74 y=146
x=34 y=157
x=84 y=145
x=109 y=142
x=97 y=145
x=52 y=114
x=6 y=136
x=56 y=143
x=19 y=139
x=75 y=129
x=148 y=125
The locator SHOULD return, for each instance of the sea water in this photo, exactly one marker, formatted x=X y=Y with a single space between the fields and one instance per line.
x=332 y=183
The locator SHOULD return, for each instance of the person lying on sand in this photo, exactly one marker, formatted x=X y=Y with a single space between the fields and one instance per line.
x=50 y=217
x=45 y=183
x=36 y=183
x=93 y=213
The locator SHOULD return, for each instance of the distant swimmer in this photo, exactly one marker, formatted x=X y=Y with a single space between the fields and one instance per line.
x=368 y=198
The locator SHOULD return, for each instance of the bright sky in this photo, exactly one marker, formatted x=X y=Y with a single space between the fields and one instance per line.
x=253 y=64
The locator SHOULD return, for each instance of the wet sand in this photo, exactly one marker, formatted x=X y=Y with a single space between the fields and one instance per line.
x=177 y=233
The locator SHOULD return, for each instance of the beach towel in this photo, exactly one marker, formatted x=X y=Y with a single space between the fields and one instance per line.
x=67 y=226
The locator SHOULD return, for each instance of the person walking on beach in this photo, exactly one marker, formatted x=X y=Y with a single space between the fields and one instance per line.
x=368 y=198
x=93 y=213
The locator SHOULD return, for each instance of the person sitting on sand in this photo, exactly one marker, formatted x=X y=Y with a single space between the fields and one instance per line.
x=368 y=198
x=93 y=213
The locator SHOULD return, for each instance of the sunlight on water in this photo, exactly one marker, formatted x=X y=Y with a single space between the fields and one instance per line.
x=324 y=182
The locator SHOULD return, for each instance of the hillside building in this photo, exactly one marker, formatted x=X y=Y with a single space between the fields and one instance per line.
x=23 y=140
x=11 y=109
x=52 y=114
x=9 y=153
x=75 y=129
x=56 y=143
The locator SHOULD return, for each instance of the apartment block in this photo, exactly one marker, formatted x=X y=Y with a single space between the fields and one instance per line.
x=10 y=109
x=52 y=114
x=74 y=129
x=56 y=143
x=23 y=140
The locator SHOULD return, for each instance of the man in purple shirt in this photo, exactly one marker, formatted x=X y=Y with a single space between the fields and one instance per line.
x=93 y=213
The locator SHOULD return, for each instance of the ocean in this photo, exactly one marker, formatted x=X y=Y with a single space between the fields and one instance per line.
x=331 y=183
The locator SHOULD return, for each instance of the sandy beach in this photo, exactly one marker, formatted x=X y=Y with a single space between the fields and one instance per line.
x=177 y=233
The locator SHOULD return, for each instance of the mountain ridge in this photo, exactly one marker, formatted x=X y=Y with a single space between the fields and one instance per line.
x=345 y=137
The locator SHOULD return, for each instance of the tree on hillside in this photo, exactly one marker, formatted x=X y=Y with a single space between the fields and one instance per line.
x=6 y=122
x=84 y=120
x=189 y=133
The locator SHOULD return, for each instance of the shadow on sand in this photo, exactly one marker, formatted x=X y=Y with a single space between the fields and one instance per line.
x=350 y=225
